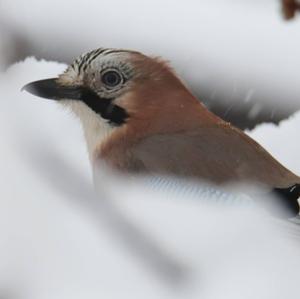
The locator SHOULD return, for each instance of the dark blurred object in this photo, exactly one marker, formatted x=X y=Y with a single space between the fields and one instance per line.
x=14 y=45
x=289 y=8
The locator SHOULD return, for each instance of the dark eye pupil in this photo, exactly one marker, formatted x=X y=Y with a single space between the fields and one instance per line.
x=111 y=78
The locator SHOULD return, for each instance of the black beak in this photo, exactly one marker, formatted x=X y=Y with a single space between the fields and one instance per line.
x=51 y=89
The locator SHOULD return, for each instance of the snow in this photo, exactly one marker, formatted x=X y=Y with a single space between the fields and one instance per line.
x=58 y=240
x=282 y=141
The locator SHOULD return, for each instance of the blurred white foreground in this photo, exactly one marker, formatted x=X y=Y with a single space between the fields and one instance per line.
x=58 y=240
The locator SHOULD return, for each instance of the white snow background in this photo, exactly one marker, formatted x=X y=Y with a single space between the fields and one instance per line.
x=58 y=241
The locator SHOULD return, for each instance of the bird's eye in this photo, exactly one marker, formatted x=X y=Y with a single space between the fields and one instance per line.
x=111 y=78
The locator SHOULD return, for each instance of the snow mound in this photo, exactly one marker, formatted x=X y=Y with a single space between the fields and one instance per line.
x=282 y=141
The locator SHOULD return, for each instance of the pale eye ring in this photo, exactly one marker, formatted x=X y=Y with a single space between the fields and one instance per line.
x=111 y=78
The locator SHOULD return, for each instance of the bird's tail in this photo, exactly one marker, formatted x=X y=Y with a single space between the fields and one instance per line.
x=287 y=200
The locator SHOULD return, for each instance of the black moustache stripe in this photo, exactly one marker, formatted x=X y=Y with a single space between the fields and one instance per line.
x=115 y=114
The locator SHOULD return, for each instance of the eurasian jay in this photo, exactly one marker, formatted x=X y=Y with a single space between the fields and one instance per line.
x=138 y=117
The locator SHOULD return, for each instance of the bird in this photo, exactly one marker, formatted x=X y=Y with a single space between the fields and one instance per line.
x=139 y=117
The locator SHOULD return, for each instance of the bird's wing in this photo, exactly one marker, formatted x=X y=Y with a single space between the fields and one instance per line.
x=219 y=154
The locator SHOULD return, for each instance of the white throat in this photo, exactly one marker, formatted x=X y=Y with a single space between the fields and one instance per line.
x=96 y=129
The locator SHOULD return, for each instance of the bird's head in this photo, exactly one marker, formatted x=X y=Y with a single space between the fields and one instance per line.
x=109 y=89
